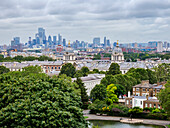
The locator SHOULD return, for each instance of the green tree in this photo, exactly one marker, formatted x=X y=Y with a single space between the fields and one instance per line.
x=120 y=90
x=30 y=58
x=152 y=76
x=98 y=92
x=109 y=79
x=111 y=96
x=78 y=73
x=32 y=69
x=84 y=96
x=114 y=69
x=3 y=69
x=42 y=58
x=164 y=97
x=139 y=74
x=19 y=58
x=68 y=69
x=85 y=70
x=97 y=57
x=39 y=101
x=95 y=70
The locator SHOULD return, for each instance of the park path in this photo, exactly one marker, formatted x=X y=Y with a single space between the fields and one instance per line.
x=115 y=118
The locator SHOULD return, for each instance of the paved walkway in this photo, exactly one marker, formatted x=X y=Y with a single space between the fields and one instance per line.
x=115 y=118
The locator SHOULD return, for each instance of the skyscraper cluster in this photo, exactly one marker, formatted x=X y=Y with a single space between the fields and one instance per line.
x=45 y=42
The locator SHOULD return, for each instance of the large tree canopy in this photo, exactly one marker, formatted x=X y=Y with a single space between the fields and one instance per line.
x=111 y=96
x=3 y=69
x=68 y=69
x=98 y=92
x=39 y=101
x=84 y=96
x=114 y=69
x=164 y=97
x=85 y=70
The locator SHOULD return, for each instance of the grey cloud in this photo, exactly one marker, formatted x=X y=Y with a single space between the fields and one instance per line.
x=94 y=17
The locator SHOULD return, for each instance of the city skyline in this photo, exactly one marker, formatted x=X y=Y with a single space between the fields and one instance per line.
x=125 y=20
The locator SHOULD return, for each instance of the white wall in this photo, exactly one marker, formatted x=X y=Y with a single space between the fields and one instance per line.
x=136 y=102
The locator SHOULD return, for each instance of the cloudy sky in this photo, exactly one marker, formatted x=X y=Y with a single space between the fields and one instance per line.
x=123 y=20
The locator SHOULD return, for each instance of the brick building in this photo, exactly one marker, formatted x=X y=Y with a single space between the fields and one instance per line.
x=145 y=95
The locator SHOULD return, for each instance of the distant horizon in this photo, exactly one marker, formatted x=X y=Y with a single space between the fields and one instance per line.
x=128 y=21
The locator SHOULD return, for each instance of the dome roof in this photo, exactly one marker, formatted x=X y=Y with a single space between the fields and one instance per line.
x=117 y=50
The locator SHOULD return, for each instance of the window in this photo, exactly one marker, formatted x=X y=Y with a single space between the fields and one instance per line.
x=154 y=105
x=55 y=67
x=130 y=101
x=150 y=105
x=159 y=106
x=133 y=89
x=141 y=102
x=58 y=67
x=127 y=102
x=158 y=90
x=51 y=67
x=148 y=89
x=144 y=89
x=146 y=105
x=137 y=89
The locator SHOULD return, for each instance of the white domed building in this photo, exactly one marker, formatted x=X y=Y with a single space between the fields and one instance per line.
x=69 y=56
x=117 y=54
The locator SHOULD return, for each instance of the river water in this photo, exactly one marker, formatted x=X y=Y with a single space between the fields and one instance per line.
x=113 y=124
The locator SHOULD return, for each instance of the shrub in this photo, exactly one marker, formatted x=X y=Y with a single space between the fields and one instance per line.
x=97 y=106
x=156 y=110
x=135 y=110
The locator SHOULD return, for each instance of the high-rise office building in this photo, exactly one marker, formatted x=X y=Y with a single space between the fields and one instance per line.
x=17 y=40
x=152 y=44
x=96 y=41
x=105 y=42
x=49 y=40
x=41 y=35
x=108 y=43
x=59 y=39
x=37 y=38
x=159 y=46
x=64 y=42
x=54 y=40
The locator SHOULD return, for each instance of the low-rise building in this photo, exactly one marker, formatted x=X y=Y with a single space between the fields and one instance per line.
x=144 y=95
x=90 y=81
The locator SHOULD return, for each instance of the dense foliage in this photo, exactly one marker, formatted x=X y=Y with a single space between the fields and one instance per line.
x=114 y=69
x=85 y=70
x=83 y=93
x=68 y=69
x=21 y=58
x=164 y=97
x=3 y=69
x=35 y=100
x=111 y=97
x=97 y=57
x=142 y=56
x=122 y=79
x=98 y=92
x=162 y=72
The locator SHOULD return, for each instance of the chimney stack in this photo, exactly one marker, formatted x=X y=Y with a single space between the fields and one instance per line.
x=128 y=93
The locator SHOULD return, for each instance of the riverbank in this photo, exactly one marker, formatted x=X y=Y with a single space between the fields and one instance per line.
x=114 y=118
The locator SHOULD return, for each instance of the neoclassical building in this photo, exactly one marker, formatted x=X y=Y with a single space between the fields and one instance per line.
x=117 y=54
x=69 y=56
